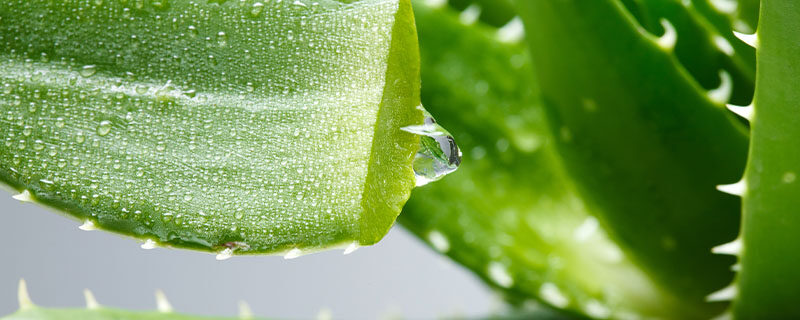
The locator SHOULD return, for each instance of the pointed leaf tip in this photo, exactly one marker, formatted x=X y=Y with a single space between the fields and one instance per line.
x=23 y=297
x=736 y=189
x=91 y=302
x=749 y=39
x=162 y=304
x=244 y=311
x=745 y=112
x=725 y=294
x=733 y=248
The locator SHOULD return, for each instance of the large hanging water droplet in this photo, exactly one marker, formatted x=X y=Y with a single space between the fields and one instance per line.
x=438 y=154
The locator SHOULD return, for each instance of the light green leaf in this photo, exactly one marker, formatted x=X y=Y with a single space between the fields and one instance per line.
x=239 y=127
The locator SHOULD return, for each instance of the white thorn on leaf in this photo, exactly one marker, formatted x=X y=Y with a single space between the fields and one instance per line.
x=670 y=36
x=91 y=302
x=736 y=189
x=23 y=297
x=438 y=241
x=745 y=112
x=512 y=32
x=722 y=93
x=225 y=254
x=294 y=253
x=244 y=310
x=749 y=39
x=725 y=316
x=725 y=6
x=149 y=244
x=724 y=294
x=723 y=45
x=736 y=267
x=470 y=15
x=733 y=248
x=325 y=314
x=162 y=304
x=351 y=248
x=436 y=3
x=87 y=225
x=24 y=196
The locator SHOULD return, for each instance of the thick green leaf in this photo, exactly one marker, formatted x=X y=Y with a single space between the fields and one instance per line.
x=643 y=142
x=510 y=214
x=704 y=43
x=768 y=283
x=239 y=126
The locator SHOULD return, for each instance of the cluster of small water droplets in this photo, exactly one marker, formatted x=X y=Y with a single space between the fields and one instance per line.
x=438 y=154
x=196 y=121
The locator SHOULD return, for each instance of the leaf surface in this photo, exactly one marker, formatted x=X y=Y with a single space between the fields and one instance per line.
x=241 y=127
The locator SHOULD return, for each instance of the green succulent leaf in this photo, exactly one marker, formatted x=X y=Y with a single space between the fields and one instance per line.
x=767 y=284
x=510 y=213
x=643 y=142
x=239 y=127
x=703 y=42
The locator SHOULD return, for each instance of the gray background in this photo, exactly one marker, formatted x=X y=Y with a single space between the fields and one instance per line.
x=399 y=276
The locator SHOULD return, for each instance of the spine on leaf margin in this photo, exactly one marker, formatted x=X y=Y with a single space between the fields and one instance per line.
x=647 y=150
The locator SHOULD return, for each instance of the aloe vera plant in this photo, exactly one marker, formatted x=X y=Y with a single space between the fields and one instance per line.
x=233 y=127
x=596 y=138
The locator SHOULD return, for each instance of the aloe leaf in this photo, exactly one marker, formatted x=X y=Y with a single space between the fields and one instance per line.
x=493 y=12
x=235 y=127
x=702 y=40
x=510 y=214
x=643 y=142
x=95 y=311
x=768 y=285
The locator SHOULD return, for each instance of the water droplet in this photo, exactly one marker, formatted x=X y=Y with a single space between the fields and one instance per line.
x=104 y=128
x=438 y=154
x=88 y=71
x=38 y=145
x=222 y=39
x=258 y=7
